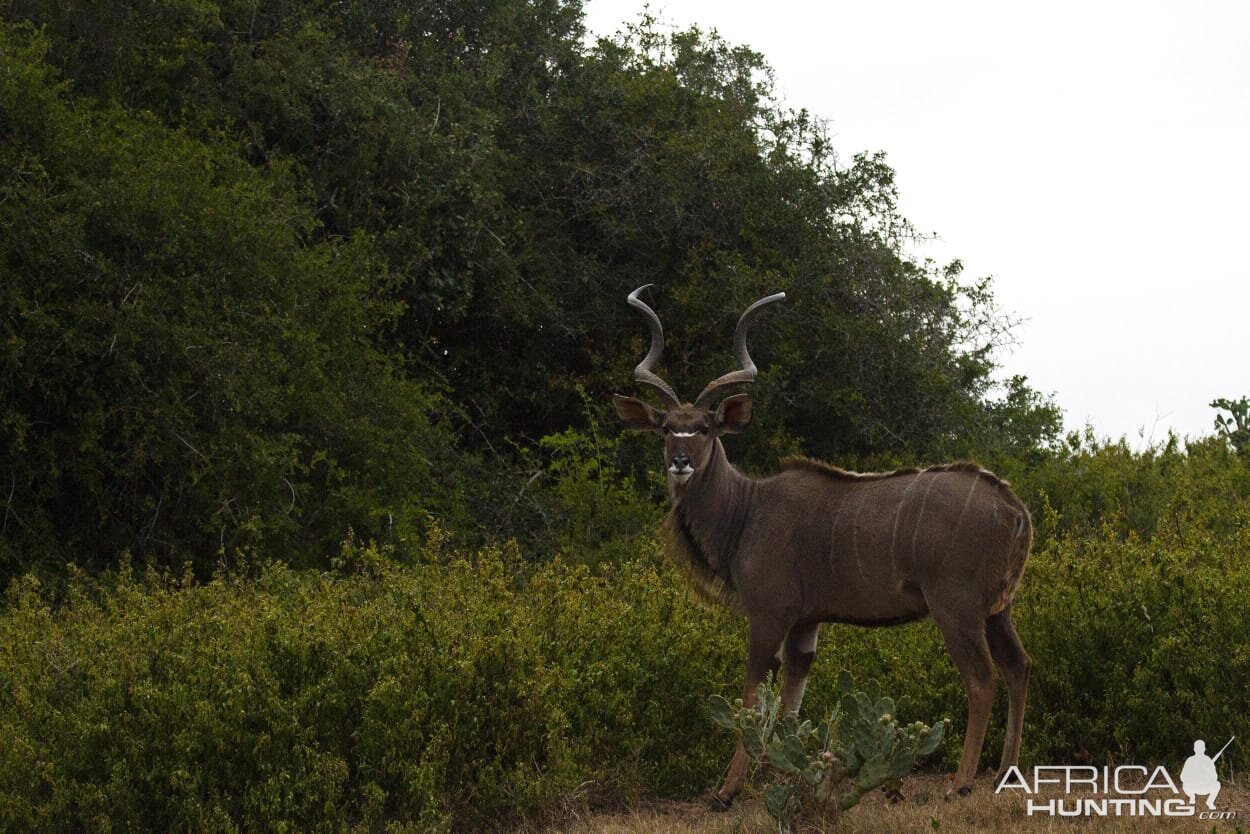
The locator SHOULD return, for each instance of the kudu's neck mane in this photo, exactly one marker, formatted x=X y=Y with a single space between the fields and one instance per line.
x=706 y=522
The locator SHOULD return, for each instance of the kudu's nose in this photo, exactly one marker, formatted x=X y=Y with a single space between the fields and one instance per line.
x=681 y=460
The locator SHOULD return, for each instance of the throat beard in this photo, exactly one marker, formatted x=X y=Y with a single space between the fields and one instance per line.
x=709 y=512
x=708 y=577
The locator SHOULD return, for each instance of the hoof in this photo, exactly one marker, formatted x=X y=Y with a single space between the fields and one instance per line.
x=893 y=794
x=719 y=804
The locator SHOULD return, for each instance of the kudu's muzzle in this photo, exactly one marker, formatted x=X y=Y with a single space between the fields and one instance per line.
x=679 y=467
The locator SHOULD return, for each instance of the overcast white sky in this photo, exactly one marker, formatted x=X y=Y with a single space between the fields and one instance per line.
x=1094 y=157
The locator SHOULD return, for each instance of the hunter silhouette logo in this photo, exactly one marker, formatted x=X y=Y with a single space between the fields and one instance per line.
x=1198 y=777
x=1125 y=790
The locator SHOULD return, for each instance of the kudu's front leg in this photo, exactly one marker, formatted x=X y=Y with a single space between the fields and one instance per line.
x=764 y=647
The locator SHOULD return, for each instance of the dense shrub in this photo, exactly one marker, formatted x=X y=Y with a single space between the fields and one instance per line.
x=457 y=691
x=1087 y=488
x=1140 y=646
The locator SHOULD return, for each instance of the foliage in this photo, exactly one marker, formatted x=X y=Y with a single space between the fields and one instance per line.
x=1235 y=427
x=1139 y=644
x=574 y=495
x=1088 y=488
x=181 y=372
x=593 y=515
x=444 y=696
x=859 y=746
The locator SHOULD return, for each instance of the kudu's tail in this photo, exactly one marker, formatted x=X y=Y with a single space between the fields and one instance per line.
x=1017 y=558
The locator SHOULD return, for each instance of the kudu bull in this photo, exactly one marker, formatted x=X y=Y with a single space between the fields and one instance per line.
x=814 y=544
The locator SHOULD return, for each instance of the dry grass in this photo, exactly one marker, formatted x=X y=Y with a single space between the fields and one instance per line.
x=923 y=810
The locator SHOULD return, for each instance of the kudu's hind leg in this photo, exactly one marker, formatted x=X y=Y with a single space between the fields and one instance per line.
x=1013 y=663
x=764 y=648
x=966 y=642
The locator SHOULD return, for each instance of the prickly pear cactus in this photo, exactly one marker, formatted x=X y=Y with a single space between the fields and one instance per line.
x=857 y=748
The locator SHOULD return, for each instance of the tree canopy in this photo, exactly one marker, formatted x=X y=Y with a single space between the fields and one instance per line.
x=273 y=272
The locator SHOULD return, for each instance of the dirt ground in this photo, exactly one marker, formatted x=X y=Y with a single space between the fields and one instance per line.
x=924 y=809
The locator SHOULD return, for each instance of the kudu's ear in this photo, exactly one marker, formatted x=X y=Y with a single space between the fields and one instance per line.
x=733 y=415
x=636 y=414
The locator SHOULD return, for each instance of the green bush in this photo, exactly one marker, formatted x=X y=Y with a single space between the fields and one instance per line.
x=451 y=694
x=1090 y=489
x=1140 y=646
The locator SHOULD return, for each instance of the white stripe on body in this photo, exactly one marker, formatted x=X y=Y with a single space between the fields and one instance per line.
x=902 y=502
x=916 y=532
